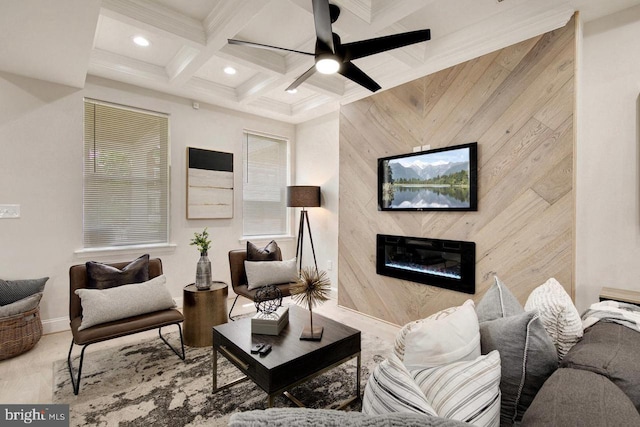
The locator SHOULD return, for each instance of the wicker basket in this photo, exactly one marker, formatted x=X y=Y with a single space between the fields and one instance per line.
x=19 y=333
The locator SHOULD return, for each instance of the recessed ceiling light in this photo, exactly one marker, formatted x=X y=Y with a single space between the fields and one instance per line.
x=141 y=41
x=292 y=90
x=230 y=70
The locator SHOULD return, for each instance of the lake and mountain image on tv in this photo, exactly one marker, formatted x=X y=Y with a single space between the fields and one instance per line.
x=442 y=179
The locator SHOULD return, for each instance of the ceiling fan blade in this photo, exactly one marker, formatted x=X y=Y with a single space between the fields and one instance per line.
x=266 y=46
x=354 y=73
x=322 y=19
x=302 y=78
x=364 y=48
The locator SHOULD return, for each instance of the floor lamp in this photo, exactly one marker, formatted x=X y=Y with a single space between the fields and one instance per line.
x=303 y=196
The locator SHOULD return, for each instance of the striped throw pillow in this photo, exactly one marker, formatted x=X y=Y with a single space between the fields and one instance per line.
x=464 y=391
x=391 y=388
x=558 y=315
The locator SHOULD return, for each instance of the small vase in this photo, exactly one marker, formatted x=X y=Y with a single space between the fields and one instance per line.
x=203 y=273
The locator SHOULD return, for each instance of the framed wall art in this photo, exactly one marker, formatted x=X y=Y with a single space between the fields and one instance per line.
x=209 y=184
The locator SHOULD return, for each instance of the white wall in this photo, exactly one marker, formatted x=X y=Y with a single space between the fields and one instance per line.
x=41 y=169
x=608 y=179
x=317 y=164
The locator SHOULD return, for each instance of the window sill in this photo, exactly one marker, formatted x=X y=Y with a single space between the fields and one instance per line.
x=134 y=249
x=276 y=237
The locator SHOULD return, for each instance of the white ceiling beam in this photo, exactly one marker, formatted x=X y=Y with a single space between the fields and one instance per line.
x=157 y=19
x=361 y=8
x=294 y=65
x=253 y=88
x=265 y=104
x=180 y=60
x=313 y=103
x=224 y=21
x=387 y=14
x=103 y=63
x=332 y=86
x=203 y=89
x=263 y=60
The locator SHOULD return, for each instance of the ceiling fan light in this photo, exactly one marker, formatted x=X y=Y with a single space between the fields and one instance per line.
x=327 y=65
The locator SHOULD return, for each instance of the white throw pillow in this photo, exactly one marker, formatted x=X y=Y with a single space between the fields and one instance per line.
x=448 y=336
x=558 y=315
x=263 y=273
x=465 y=391
x=390 y=388
x=106 y=305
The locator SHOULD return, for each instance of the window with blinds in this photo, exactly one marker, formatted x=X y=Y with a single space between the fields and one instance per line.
x=126 y=176
x=266 y=174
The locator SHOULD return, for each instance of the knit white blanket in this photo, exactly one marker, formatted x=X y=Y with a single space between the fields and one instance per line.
x=613 y=311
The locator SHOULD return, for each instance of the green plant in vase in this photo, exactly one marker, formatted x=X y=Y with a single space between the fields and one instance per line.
x=201 y=240
x=203 y=269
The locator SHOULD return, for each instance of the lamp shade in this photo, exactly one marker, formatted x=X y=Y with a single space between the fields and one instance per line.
x=303 y=196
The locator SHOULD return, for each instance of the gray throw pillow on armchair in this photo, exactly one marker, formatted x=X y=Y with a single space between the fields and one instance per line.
x=528 y=357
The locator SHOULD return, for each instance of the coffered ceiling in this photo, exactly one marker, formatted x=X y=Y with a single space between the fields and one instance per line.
x=64 y=40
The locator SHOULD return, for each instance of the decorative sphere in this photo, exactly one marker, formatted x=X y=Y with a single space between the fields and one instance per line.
x=268 y=299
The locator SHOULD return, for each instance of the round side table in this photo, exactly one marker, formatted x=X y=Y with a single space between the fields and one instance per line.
x=202 y=311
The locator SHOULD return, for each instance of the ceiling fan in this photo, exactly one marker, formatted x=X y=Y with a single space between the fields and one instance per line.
x=331 y=56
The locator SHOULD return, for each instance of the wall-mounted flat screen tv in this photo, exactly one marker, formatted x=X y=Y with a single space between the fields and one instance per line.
x=433 y=180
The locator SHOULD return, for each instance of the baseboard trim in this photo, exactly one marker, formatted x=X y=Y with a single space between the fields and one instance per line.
x=369 y=316
x=51 y=326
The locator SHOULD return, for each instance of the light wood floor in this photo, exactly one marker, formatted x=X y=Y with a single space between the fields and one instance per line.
x=28 y=378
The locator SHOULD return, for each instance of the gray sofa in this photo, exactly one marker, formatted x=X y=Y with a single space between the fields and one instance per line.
x=597 y=383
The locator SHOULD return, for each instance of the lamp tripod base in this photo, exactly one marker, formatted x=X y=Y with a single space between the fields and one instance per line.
x=312 y=335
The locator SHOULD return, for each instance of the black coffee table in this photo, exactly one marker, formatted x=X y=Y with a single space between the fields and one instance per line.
x=291 y=361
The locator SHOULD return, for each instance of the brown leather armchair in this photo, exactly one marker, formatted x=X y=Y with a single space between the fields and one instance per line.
x=158 y=319
x=237 y=257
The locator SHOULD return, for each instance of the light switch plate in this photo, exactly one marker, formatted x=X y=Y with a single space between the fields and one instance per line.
x=9 y=211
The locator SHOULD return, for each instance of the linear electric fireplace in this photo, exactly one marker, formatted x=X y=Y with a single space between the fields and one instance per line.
x=448 y=264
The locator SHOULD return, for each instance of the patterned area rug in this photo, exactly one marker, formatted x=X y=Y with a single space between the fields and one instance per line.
x=147 y=384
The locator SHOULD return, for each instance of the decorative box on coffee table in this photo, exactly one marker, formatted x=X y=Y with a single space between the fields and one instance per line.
x=270 y=323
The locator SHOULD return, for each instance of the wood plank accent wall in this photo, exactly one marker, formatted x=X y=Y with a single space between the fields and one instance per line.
x=518 y=104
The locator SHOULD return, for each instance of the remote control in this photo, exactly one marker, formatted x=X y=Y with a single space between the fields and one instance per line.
x=265 y=350
x=256 y=348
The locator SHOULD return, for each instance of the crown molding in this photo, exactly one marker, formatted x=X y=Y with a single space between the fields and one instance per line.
x=108 y=64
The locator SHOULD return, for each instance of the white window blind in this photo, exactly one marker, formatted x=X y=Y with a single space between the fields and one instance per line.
x=266 y=173
x=126 y=176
